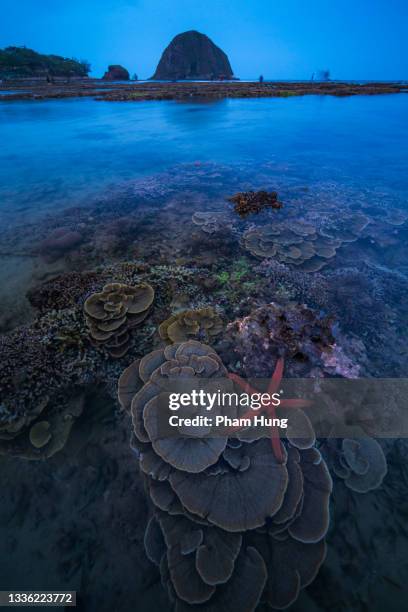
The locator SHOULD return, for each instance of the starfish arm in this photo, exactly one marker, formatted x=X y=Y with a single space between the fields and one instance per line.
x=242 y=383
x=276 y=376
x=276 y=445
x=270 y=409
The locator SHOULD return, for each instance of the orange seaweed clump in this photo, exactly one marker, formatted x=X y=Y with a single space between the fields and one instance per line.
x=249 y=202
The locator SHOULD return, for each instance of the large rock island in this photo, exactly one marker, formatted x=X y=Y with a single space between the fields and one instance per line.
x=192 y=55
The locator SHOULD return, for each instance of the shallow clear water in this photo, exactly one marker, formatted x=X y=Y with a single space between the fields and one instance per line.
x=56 y=153
x=334 y=162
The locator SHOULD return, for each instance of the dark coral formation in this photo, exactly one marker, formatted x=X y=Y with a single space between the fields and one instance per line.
x=44 y=375
x=49 y=367
x=291 y=284
x=232 y=526
x=63 y=291
x=114 y=312
x=41 y=397
x=249 y=202
x=70 y=289
x=200 y=324
x=192 y=55
x=305 y=338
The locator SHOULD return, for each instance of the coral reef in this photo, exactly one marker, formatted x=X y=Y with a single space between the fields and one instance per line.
x=49 y=366
x=41 y=394
x=200 y=324
x=249 y=202
x=114 y=312
x=305 y=338
x=346 y=228
x=211 y=494
x=135 y=92
x=230 y=522
x=63 y=291
x=70 y=289
x=296 y=244
x=41 y=386
x=358 y=460
x=209 y=222
x=291 y=284
x=368 y=302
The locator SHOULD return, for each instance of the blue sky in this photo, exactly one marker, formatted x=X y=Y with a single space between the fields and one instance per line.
x=357 y=39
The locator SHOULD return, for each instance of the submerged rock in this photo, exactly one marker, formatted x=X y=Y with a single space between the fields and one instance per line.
x=192 y=55
x=116 y=73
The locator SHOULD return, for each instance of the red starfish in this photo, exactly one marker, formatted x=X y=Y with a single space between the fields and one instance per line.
x=270 y=409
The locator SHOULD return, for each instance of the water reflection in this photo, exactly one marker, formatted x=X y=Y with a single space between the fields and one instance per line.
x=81 y=146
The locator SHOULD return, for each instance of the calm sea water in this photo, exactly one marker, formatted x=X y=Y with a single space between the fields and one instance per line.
x=347 y=153
x=57 y=153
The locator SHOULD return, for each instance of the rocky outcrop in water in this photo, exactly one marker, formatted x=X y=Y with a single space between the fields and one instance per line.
x=192 y=55
x=116 y=73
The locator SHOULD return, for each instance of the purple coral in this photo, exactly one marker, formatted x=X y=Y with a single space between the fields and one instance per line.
x=227 y=514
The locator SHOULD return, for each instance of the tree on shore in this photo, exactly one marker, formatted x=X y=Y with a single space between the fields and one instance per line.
x=18 y=62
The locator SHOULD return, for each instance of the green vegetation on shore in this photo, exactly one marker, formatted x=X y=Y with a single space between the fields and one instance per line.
x=23 y=62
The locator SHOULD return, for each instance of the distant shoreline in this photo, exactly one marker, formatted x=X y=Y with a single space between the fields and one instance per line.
x=133 y=91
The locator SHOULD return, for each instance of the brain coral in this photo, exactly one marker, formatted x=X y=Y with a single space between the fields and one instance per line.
x=199 y=324
x=230 y=520
x=112 y=313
